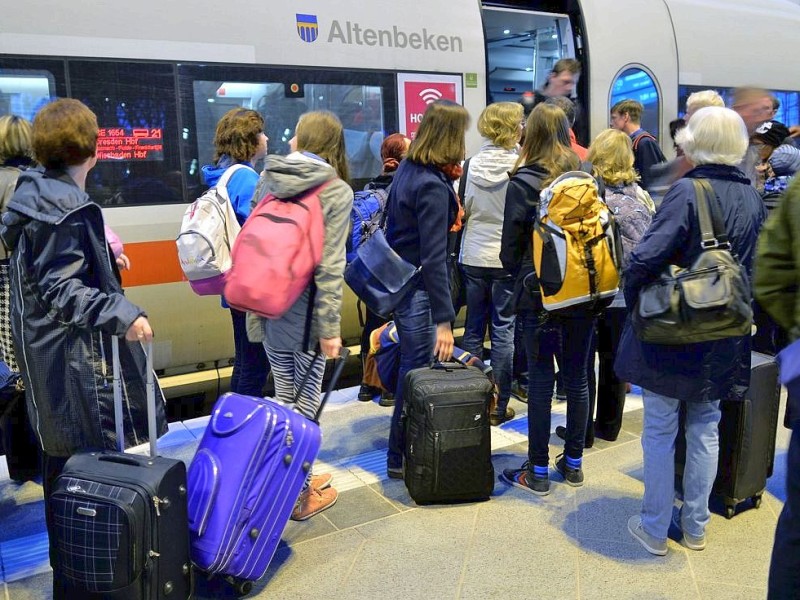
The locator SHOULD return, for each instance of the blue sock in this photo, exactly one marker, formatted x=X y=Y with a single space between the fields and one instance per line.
x=574 y=463
x=540 y=472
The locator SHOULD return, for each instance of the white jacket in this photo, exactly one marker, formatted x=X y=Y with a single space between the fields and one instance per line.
x=484 y=204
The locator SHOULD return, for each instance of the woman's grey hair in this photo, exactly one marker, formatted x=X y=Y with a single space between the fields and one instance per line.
x=714 y=136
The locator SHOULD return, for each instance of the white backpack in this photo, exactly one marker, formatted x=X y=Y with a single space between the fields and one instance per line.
x=208 y=229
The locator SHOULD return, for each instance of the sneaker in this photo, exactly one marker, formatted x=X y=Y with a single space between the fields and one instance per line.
x=561 y=432
x=573 y=477
x=322 y=481
x=693 y=542
x=495 y=419
x=387 y=399
x=519 y=391
x=312 y=502
x=365 y=393
x=394 y=472
x=525 y=480
x=651 y=544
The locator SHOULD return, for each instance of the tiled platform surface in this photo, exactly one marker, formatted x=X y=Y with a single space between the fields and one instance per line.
x=377 y=543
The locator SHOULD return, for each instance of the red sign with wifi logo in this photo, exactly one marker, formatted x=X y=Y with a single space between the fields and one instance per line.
x=418 y=95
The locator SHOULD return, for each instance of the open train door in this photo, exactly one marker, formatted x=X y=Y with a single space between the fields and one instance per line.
x=626 y=48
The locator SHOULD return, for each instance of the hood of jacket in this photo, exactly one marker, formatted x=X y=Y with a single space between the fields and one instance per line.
x=491 y=165
x=212 y=173
x=288 y=176
x=48 y=197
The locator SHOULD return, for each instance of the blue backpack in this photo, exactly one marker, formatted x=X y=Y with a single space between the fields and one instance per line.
x=368 y=208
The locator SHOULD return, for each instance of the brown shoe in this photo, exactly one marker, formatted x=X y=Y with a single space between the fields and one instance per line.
x=495 y=419
x=321 y=482
x=312 y=502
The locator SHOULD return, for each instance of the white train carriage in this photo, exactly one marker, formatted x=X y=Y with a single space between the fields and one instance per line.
x=159 y=75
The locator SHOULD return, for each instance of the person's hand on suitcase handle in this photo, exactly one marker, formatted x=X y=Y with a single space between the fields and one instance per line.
x=330 y=347
x=443 y=349
x=139 y=331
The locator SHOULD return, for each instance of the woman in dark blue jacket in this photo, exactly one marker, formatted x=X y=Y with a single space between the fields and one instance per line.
x=422 y=207
x=701 y=374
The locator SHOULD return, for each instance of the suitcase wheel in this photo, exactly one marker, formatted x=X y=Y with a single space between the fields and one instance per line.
x=757 y=501
x=242 y=587
x=730 y=510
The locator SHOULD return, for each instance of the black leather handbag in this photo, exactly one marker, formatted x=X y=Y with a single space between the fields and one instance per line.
x=708 y=301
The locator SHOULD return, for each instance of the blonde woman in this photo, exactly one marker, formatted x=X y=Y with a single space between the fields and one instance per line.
x=611 y=154
x=545 y=155
x=489 y=287
x=318 y=155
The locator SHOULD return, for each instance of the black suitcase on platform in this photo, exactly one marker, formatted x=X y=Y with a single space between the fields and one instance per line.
x=448 y=454
x=747 y=433
x=120 y=520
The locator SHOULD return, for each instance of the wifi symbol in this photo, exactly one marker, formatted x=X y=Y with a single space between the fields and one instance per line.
x=430 y=95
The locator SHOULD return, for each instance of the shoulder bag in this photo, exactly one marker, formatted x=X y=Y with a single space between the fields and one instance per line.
x=708 y=301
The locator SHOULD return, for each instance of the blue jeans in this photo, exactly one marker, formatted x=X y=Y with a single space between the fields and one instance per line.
x=490 y=296
x=417 y=333
x=250 y=365
x=784 y=571
x=572 y=337
x=702 y=455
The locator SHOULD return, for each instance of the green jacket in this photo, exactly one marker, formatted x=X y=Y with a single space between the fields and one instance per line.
x=777 y=269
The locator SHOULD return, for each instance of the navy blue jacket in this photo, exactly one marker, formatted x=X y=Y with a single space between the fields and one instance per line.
x=692 y=372
x=647 y=154
x=66 y=303
x=421 y=207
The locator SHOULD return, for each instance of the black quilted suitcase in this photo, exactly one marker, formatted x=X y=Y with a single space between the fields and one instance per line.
x=120 y=520
x=747 y=432
x=448 y=441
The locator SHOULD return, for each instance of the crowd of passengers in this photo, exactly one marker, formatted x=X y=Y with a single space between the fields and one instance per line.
x=58 y=271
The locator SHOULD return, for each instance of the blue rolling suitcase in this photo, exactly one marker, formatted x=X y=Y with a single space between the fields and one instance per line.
x=244 y=482
x=120 y=519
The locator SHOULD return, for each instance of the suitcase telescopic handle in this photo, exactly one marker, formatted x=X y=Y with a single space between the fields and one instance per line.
x=338 y=367
x=150 y=386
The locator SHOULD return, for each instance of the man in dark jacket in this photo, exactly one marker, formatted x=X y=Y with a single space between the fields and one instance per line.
x=696 y=375
x=626 y=116
x=66 y=302
x=776 y=279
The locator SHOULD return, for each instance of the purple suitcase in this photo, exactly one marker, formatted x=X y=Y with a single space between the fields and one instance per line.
x=244 y=482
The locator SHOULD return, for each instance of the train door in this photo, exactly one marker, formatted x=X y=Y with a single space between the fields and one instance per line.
x=522 y=46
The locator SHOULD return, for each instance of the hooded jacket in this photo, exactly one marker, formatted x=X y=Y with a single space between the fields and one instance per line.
x=240 y=186
x=704 y=371
x=484 y=205
x=317 y=313
x=66 y=303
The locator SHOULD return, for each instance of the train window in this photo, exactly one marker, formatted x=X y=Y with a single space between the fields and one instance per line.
x=28 y=84
x=634 y=83
x=137 y=149
x=360 y=100
x=788 y=112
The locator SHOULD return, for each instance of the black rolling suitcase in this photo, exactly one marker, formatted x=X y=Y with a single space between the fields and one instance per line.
x=747 y=433
x=120 y=519
x=448 y=454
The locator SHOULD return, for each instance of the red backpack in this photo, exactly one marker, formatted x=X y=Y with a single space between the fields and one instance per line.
x=275 y=254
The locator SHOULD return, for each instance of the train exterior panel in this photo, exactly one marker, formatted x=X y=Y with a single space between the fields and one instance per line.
x=170 y=70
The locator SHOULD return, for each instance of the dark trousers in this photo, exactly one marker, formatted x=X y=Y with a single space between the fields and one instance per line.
x=490 y=300
x=51 y=469
x=610 y=389
x=417 y=333
x=250 y=365
x=573 y=338
x=520 y=355
x=784 y=571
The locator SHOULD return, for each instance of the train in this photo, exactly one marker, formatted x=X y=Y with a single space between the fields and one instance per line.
x=160 y=74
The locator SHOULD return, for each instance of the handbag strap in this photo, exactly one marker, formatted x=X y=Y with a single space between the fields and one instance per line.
x=712 y=229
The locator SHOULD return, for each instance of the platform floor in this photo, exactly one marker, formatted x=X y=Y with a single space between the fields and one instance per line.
x=377 y=543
